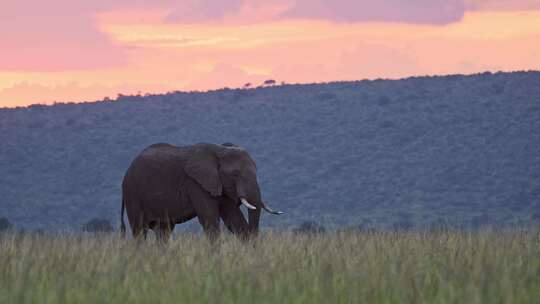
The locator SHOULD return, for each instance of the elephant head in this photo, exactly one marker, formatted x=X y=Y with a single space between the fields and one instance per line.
x=228 y=170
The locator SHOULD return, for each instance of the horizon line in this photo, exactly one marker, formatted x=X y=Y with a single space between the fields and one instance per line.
x=277 y=84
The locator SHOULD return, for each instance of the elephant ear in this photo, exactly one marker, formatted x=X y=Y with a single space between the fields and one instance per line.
x=203 y=167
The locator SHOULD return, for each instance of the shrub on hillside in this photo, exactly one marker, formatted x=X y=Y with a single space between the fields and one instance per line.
x=534 y=219
x=439 y=224
x=365 y=226
x=310 y=227
x=403 y=224
x=482 y=221
x=5 y=224
x=97 y=225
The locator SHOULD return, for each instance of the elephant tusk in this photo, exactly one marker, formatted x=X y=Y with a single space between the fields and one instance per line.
x=270 y=210
x=247 y=204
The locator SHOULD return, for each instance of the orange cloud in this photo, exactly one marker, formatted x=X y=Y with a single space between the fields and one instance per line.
x=482 y=40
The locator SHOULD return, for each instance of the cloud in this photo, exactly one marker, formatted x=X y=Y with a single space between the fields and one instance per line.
x=182 y=43
x=59 y=35
x=407 y=11
x=435 y=12
x=202 y=10
x=502 y=5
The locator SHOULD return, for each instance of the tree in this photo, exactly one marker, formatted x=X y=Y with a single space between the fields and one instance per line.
x=269 y=82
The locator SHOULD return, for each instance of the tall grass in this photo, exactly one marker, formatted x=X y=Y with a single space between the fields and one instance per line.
x=402 y=267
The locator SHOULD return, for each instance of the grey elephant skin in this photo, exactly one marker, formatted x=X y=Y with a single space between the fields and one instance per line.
x=167 y=185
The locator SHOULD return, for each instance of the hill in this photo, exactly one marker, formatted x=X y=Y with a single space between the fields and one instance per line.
x=417 y=151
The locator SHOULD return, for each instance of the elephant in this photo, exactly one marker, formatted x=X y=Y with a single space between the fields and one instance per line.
x=167 y=185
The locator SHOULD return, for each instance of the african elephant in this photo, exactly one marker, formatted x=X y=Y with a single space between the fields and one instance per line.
x=167 y=185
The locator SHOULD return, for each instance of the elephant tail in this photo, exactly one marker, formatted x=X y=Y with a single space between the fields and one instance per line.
x=122 y=224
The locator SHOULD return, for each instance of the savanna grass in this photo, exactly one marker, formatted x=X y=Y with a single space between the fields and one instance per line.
x=352 y=267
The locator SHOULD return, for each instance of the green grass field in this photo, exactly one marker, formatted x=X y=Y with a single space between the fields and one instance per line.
x=406 y=267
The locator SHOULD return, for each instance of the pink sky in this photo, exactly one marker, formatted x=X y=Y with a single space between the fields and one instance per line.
x=75 y=50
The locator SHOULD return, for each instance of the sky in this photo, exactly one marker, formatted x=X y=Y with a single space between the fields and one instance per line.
x=78 y=50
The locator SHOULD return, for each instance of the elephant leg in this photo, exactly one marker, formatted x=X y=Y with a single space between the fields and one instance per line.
x=164 y=231
x=234 y=219
x=209 y=220
x=139 y=233
x=210 y=226
x=136 y=231
x=207 y=210
x=136 y=220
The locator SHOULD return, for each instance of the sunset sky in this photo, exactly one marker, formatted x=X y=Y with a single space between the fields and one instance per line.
x=78 y=50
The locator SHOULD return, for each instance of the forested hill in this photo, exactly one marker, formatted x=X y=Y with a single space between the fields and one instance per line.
x=416 y=151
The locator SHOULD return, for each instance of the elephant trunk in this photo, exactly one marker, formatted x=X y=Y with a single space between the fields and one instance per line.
x=249 y=194
x=269 y=210
x=254 y=217
x=253 y=201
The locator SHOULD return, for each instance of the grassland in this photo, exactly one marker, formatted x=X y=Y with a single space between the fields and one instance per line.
x=402 y=267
